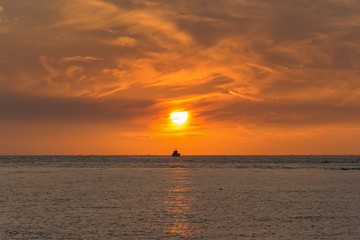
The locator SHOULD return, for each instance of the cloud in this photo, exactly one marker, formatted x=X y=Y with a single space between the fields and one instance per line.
x=212 y=84
x=20 y=108
x=1 y=13
x=123 y=41
x=79 y=59
x=102 y=15
x=5 y=23
x=279 y=114
x=71 y=71
x=256 y=53
x=83 y=14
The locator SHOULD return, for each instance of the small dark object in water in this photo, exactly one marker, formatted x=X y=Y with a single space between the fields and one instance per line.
x=175 y=153
x=220 y=189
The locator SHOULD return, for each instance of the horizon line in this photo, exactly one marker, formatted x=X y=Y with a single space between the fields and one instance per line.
x=181 y=155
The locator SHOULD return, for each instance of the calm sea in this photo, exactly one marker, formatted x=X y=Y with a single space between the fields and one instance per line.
x=192 y=197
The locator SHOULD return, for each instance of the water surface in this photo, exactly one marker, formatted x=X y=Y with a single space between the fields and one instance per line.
x=195 y=197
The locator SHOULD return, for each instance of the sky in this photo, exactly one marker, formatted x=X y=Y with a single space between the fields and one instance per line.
x=255 y=76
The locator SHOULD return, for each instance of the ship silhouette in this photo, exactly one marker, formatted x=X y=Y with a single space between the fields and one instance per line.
x=175 y=153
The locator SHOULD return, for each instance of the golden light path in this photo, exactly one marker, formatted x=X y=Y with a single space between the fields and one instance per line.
x=179 y=118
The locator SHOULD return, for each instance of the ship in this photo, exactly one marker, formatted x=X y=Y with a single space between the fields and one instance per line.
x=175 y=153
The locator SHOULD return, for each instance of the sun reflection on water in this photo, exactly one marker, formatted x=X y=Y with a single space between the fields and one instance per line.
x=178 y=204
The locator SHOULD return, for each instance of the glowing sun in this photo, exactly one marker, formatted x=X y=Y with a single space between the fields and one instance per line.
x=179 y=117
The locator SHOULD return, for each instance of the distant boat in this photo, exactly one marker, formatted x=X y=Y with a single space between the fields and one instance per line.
x=175 y=153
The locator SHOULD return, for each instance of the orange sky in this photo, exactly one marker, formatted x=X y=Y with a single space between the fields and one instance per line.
x=103 y=76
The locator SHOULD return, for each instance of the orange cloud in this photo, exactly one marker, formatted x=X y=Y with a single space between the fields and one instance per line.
x=78 y=59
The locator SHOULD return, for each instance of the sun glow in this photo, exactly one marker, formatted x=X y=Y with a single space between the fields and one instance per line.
x=179 y=117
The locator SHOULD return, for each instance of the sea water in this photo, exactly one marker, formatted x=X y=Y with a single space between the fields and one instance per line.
x=192 y=197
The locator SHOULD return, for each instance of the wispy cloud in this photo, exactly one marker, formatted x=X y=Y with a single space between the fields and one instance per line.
x=123 y=41
x=79 y=59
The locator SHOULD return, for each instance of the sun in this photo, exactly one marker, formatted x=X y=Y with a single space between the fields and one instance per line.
x=179 y=118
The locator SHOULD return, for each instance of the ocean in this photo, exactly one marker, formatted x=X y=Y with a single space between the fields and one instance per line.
x=192 y=197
